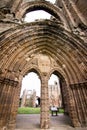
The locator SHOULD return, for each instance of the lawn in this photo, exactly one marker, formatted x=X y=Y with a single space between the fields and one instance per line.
x=61 y=110
x=28 y=110
x=31 y=110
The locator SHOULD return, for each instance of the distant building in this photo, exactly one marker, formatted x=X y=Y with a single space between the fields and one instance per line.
x=28 y=98
x=55 y=95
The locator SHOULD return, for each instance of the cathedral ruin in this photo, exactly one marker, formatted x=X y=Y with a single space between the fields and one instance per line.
x=55 y=46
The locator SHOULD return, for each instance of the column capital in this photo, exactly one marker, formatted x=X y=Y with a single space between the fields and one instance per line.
x=8 y=81
x=44 y=74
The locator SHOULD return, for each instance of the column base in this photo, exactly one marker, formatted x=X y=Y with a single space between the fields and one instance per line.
x=76 y=124
x=44 y=124
x=11 y=125
x=3 y=128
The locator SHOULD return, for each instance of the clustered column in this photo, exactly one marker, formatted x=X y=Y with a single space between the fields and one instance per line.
x=63 y=87
x=69 y=103
x=14 y=108
x=72 y=108
x=7 y=90
x=80 y=97
x=44 y=121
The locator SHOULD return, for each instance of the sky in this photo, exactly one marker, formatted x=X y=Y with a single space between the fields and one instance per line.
x=34 y=15
x=52 y=1
x=39 y=14
x=32 y=82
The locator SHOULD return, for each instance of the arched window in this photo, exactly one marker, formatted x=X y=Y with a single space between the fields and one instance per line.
x=36 y=15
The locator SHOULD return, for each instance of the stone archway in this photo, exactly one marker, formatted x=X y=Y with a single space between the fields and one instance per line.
x=44 y=115
x=40 y=5
x=67 y=97
x=20 y=45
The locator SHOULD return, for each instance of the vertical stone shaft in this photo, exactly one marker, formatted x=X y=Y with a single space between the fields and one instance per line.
x=80 y=98
x=74 y=90
x=3 y=97
x=14 y=108
x=72 y=107
x=6 y=99
x=84 y=93
x=64 y=97
x=44 y=121
x=80 y=104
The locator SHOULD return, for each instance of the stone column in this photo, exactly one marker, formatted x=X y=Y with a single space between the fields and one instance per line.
x=44 y=121
x=63 y=87
x=7 y=87
x=14 y=107
x=69 y=103
x=72 y=108
x=79 y=93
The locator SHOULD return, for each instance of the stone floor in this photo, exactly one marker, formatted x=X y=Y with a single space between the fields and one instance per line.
x=32 y=122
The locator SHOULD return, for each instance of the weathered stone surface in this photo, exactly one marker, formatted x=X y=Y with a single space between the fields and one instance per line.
x=58 y=46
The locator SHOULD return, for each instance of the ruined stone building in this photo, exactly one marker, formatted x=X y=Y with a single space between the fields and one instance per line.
x=55 y=98
x=28 y=98
x=55 y=46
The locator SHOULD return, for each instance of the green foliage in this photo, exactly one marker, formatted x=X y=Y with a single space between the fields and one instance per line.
x=28 y=110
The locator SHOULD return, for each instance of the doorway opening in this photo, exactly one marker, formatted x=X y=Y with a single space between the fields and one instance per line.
x=29 y=104
x=55 y=96
x=30 y=89
x=58 y=103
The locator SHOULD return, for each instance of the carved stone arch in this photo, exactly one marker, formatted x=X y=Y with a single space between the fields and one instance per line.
x=57 y=71
x=16 y=101
x=67 y=96
x=44 y=105
x=32 y=69
x=63 y=84
x=40 y=5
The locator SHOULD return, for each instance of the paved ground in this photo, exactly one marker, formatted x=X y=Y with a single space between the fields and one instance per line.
x=32 y=122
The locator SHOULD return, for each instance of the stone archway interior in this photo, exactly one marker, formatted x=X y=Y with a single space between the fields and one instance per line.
x=47 y=46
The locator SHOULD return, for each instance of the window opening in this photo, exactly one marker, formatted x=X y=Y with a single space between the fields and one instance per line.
x=36 y=15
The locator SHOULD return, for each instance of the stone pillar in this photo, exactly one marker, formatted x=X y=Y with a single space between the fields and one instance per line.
x=79 y=93
x=69 y=103
x=44 y=121
x=14 y=108
x=7 y=90
x=72 y=108
x=63 y=89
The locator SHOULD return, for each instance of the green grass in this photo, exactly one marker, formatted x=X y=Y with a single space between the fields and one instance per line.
x=61 y=110
x=31 y=110
x=28 y=110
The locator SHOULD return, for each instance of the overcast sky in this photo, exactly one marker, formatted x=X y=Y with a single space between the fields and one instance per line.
x=34 y=15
